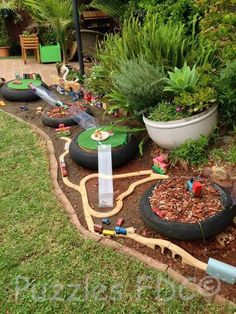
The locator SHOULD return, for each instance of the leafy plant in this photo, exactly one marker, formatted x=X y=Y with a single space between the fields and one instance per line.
x=47 y=36
x=114 y=8
x=177 y=11
x=159 y=42
x=99 y=80
x=196 y=101
x=192 y=151
x=227 y=154
x=226 y=86
x=218 y=26
x=58 y=16
x=4 y=39
x=182 y=80
x=138 y=85
x=165 y=111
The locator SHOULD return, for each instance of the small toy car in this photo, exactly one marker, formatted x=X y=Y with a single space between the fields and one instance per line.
x=63 y=169
x=106 y=221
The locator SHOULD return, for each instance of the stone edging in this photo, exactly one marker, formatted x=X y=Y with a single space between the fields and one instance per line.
x=53 y=168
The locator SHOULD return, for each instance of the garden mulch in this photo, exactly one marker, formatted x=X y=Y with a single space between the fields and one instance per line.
x=171 y=200
x=202 y=250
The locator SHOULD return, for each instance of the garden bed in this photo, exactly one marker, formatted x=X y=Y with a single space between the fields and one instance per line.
x=175 y=202
x=60 y=112
x=202 y=250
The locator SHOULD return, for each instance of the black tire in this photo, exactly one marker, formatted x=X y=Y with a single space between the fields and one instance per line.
x=188 y=231
x=54 y=122
x=17 y=95
x=89 y=159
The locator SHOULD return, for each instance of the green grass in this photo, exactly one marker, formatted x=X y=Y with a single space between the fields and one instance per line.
x=44 y=258
x=226 y=154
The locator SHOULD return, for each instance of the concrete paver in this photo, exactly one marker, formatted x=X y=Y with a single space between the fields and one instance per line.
x=9 y=67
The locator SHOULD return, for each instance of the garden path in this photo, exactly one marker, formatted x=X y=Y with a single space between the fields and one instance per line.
x=9 y=67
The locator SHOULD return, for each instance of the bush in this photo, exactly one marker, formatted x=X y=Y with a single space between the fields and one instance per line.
x=138 y=84
x=218 y=25
x=159 y=43
x=192 y=151
x=165 y=111
x=226 y=86
x=178 y=11
x=4 y=39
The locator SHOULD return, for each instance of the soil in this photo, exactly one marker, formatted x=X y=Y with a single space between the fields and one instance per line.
x=201 y=250
x=171 y=200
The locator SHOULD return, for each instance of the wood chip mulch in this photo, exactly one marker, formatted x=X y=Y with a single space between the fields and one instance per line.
x=171 y=201
x=60 y=112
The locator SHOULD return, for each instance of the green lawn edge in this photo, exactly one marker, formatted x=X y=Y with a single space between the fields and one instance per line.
x=43 y=259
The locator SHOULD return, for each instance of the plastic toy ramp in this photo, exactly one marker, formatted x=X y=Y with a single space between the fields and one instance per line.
x=85 y=120
x=46 y=95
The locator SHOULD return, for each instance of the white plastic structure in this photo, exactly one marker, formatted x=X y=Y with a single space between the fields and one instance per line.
x=85 y=120
x=46 y=95
x=105 y=181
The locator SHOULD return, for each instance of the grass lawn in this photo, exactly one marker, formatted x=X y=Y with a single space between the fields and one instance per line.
x=47 y=267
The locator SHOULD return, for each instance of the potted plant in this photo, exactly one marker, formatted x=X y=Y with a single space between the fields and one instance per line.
x=50 y=49
x=191 y=109
x=4 y=39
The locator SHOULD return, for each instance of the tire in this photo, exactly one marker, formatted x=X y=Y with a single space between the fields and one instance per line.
x=188 y=231
x=17 y=95
x=54 y=122
x=89 y=159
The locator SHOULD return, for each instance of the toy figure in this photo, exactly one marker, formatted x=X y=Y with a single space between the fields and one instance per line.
x=62 y=130
x=195 y=188
x=160 y=164
x=63 y=168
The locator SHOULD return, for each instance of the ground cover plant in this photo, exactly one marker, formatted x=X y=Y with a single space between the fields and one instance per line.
x=44 y=256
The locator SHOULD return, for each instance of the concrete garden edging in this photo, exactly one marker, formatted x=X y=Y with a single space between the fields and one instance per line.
x=67 y=206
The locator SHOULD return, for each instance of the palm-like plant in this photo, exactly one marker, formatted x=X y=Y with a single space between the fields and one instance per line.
x=11 y=5
x=114 y=8
x=55 y=14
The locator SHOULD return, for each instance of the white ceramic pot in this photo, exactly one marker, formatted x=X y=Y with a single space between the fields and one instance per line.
x=173 y=133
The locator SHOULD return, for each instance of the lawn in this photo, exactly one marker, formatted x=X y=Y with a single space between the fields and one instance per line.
x=47 y=267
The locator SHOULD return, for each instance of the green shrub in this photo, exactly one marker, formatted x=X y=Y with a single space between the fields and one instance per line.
x=99 y=80
x=165 y=111
x=160 y=43
x=199 y=100
x=226 y=86
x=224 y=154
x=138 y=85
x=192 y=151
x=177 y=11
x=219 y=26
x=4 y=39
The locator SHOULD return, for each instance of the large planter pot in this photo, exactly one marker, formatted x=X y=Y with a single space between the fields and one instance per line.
x=50 y=53
x=174 y=133
x=4 y=51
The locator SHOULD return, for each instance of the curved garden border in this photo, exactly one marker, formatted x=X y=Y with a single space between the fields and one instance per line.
x=53 y=168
